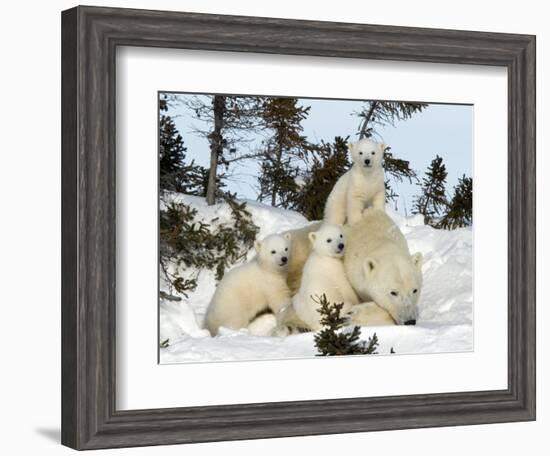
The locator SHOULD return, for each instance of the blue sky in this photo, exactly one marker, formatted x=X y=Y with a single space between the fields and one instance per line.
x=444 y=130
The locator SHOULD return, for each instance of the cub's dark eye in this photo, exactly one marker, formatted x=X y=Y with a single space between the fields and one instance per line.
x=415 y=290
x=360 y=153
x=341 y=235
x=393 y=293
x=273 y=252
x=329 y=240
x=286 y=249
x=373 y=153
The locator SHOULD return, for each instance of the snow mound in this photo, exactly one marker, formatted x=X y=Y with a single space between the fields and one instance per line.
x=445 y=309
x=177 y=318
x=269 y=219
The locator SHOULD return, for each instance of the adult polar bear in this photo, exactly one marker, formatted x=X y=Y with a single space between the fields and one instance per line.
x=362 y=186
x=378 y=265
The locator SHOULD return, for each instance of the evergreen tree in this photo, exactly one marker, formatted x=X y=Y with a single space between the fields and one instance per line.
x=226 y=122
x=387 y=113
x=331 y=341
x=283 y=151
x=174 y=174
x=459 y=211
x=397 y=170
x=329 y=162
x=432 y=201
x=188 y=241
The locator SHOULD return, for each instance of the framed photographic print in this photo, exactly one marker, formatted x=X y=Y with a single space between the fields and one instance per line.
x=280 y=228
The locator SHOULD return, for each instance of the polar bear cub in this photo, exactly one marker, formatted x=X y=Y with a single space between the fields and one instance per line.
x=252 y=289
x=323 y=274
x=360 y=187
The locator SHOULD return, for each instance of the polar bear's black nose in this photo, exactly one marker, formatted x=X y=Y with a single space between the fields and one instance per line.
x=284 y=259
x=367 y=161
x=410 y=322
x=340 y=246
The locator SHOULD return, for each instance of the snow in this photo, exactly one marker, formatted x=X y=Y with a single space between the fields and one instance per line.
x=444 y=323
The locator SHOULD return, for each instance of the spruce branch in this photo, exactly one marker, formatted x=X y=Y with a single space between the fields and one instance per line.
x=331 y=340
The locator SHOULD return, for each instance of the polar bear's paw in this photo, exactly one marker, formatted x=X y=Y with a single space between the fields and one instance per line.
x=264 y=325
x=289 y=323
x=369 y=314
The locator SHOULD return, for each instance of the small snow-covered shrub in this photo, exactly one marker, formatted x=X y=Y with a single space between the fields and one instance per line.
x=331 y=340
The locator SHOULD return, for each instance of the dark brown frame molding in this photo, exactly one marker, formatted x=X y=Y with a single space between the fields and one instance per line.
x=90 y=36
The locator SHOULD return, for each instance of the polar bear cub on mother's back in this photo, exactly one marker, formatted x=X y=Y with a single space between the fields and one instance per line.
x=323 y=274
x=254 y=288
x=360 y=187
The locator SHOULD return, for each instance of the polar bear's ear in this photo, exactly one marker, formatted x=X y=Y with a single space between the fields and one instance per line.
x=288 y=236
x=312 y=236
x=383 y=147
x=417 y=260
x=258 y=246
x=370 y=265
x=351 y=146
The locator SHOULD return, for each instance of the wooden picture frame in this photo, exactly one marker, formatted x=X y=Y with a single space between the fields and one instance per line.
x=90 y=37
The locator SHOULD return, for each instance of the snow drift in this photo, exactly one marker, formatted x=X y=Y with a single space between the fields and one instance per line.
x=444 y=322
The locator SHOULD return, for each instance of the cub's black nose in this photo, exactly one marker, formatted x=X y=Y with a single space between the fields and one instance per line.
x=367 y=161
x=410 y=322
x=340 y=246
x=284 y=259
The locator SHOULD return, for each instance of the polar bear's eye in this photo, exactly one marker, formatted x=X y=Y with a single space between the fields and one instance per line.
x=393 y=293
x=360 y=153
x=329 y=240
x=373 y=153
x=341 y=235
x=273 y=252
x=286 y=250
x=415 y=290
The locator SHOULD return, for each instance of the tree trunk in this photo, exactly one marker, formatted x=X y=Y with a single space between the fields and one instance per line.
x=275 y=188
x=215 y=148
x=364 y=126
x=273 y=195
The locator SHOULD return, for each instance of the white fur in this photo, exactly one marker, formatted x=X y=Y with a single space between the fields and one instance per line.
x=323 y=274
x=369 y=313
x=264 y=325
x=378 y=263
x=360 y=187
x=252 y=288
x=300 y=249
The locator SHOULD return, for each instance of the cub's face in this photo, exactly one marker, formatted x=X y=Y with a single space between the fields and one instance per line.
x=273 y=252
x=329 y=240
x=367 y=154
x=395 y=285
